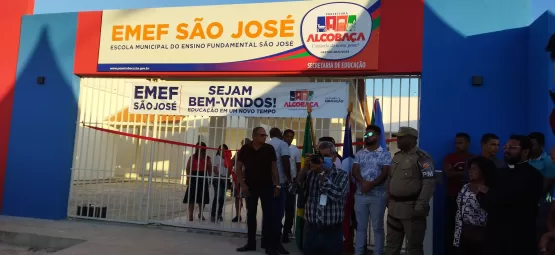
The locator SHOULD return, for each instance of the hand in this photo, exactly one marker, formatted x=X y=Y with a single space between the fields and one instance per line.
x=478 y=188
x=366 y=186
x=277 y=192
x=421 y=211
x=546 y=238
x=322 y=178
x=245 y=189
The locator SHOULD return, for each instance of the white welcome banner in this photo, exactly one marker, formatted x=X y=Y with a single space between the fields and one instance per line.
x=248 y=99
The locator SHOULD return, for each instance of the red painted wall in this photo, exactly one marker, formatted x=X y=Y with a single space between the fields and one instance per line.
x=402 y=24
x=11 y=12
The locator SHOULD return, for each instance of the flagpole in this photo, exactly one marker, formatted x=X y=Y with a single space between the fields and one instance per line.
x=349 y=110
x=309 y=111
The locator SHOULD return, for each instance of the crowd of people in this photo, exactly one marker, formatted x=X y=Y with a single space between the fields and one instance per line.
x=493 y=206
x=270 y=172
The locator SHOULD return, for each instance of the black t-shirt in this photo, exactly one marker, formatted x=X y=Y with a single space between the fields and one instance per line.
x=258 y=165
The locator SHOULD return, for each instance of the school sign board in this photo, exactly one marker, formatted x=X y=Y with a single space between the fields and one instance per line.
x=249 y=99
x=285 y=36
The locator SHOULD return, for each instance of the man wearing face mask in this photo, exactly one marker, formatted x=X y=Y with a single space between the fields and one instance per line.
x=324 y=210
x=512 y=202
x=411 y=184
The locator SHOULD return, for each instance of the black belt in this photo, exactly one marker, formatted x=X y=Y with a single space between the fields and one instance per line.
x=411 y=198
x=322 y=226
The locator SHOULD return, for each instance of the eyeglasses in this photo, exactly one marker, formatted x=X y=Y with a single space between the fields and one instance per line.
x=263 y=135
x=507 y=147
x=369 y=134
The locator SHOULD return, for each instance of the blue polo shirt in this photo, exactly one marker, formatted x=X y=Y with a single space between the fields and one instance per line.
x=544 y=164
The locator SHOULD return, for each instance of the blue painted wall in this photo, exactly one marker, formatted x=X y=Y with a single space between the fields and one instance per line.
x=44 y=117
x=490 y=39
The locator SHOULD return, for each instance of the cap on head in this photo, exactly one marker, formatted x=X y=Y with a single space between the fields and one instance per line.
x=403 y=131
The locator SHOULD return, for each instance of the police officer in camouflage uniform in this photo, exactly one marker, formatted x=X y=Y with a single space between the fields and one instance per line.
x=411 y=184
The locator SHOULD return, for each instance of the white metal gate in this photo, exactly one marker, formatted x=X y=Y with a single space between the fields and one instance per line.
x=142 y=181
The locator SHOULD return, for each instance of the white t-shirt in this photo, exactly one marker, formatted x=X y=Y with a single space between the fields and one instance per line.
x=295 y=157
x=337 y=163
x=282 y=149
x=219 y=163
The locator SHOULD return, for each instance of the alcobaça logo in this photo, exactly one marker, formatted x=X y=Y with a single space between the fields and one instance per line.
x=336 y=31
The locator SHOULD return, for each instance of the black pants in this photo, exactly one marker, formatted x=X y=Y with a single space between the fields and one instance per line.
x=219 y=196
x=541 y=220
x=270 y=229
x=289 y=213
x=320 y=240
x=451 y=212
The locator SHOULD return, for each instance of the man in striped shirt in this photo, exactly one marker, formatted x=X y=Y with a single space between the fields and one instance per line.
x=327 y=190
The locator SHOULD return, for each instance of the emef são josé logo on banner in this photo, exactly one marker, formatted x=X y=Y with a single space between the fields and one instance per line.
x=335 y=31
x=250 y=99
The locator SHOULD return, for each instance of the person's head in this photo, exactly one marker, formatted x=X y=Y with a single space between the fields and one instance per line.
x=406 y=138
x=482 y=169
x=200 y=151
x=372 y=135
x=275 y=132
x=259 y=135
x=316 y=162
x=517 y=149
x=327 y=149
x=326 y=139
x=462 y=141
x=246 y=141
x=490 y=144
x=288 y=136
x=220 y=148
x=538 y=142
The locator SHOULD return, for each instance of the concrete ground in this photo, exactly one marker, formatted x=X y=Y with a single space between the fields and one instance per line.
x=122 y=239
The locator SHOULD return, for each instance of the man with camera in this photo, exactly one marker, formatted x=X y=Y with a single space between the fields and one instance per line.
x=327 y=189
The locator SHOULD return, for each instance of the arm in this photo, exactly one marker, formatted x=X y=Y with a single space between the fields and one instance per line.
x=551 y=217
x=239 y=168
x=188 y=169
x=383 y=176
x=336 y=188
x=284 y=148
x=357 y=174
x=356 y=170
x=275 y=175
x=450 y=171
x=209 y=166
x=428 y=184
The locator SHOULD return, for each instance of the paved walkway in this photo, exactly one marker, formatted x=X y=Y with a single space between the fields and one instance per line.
x=122 y=239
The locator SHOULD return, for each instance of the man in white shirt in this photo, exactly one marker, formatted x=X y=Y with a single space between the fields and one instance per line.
x=295 y=163
x=284 y=171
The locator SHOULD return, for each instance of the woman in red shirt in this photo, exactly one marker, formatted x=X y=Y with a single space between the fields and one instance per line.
x=198 y=169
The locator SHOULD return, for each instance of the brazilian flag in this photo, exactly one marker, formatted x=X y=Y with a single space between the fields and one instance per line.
x=307 y=148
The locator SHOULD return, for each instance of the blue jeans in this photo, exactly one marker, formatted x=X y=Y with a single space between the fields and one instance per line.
x=219 y=196
x=373 y=207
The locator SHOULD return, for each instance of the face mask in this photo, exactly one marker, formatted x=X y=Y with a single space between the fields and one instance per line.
x=327 y=162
